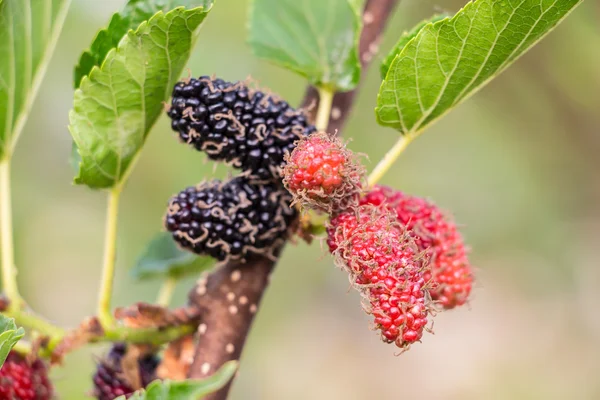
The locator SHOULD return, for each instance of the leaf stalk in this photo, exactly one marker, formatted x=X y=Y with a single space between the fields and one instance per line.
x=108 y=268
x=324 y=110
x=165 y=292
x=9 y=270
x=389 y=159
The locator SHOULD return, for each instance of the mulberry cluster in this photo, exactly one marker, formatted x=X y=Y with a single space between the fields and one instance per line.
x=21 y=379
x=384 y=266
x=232 y=219
x=322 y=173
x=232 y=123
x=450 y=274
x=110 y=381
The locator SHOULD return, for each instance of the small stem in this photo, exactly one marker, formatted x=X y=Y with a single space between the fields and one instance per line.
x=22 y=347
x=388 y=160
x=9 y=271
x=165 y=292
x=152 y=336
x=324 y=111
x=36 y=323
x=108 y=269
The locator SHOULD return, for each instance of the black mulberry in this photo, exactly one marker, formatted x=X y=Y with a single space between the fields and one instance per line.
x=233 y=123
x=110 y=381
x=232 y=219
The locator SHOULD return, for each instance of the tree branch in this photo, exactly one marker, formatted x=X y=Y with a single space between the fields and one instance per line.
x=229 y=297
x=375 y=17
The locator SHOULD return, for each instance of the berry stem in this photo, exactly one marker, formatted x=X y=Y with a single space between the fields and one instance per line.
x=388 y=160
x=154 y=336
x=165 y=292
x=108 y=268
x=9 y=270
x=22 y=347
x=37 y=323
x=324 y=110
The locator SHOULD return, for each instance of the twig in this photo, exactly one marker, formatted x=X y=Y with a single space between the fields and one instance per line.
x=229 y=298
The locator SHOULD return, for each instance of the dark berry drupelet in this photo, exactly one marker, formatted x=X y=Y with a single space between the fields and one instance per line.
x=232 y=219
x=233 y=123
x=110 y=381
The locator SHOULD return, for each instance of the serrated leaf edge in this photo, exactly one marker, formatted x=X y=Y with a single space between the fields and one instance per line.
x=416 y=130
x=95 y=69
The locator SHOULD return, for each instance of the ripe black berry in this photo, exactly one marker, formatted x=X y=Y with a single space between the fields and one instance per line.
x=110 y=381
x=231 y=219
x=229 y=121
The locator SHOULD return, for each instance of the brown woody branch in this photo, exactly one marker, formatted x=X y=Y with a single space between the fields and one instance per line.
x=228 y=299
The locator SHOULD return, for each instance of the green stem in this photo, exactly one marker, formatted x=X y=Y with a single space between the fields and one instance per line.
x=9 y=271
x=34 y=322
x=22 y=347
x=324 y=110
x=152 y=336
x=388 y=160
x=108 y=268
x=165 y=292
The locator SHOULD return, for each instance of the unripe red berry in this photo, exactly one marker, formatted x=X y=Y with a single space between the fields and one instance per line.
x=321 y=173
x=383 y=265
x=450 y=275
x=22 y=379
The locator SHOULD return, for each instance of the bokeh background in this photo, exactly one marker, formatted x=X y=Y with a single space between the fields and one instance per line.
x=517 y=164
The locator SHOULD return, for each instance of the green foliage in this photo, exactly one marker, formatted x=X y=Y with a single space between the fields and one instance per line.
x=404 y=39
x=163 y=258
x=9 y=336
x=189 y=389
x=317 y=39
x=28 y=33
x=133 y=14
x=117 y=104
x=449 y=60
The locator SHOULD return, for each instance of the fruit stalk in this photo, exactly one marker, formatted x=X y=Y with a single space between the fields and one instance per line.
x=38 y=324
x=108 y=267
x=165 y=292
x=324 y=110
x=9 y=270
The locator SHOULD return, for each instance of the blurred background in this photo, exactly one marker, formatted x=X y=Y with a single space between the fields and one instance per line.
x=517 y=164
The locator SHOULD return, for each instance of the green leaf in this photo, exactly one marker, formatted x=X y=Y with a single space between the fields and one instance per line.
x=188 y=389
x=28 y=34
x=117 y=104
x=404 y=39
x=451 y=59
x=162 y=257
x=9 y=336
x=317 y=39
x=133 y=14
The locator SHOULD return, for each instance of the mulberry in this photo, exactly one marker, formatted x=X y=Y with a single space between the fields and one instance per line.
x=383 y=264
x=24 y=380
x=450 y=274
x=233 y=123
x=232 y=219
x=322 y=173
x=110 y=381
